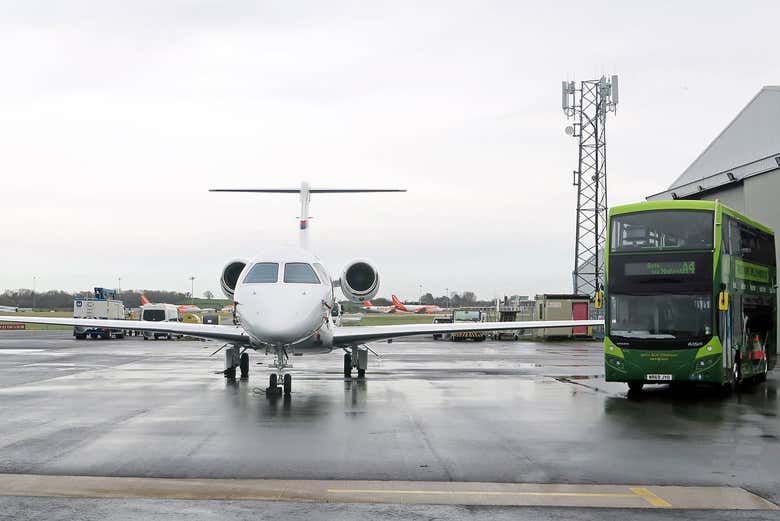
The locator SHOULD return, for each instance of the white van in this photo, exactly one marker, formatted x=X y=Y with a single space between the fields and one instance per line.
x=159 y=313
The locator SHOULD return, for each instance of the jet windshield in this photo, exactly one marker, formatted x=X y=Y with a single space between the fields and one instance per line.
x=263 y=272
x=300 y=273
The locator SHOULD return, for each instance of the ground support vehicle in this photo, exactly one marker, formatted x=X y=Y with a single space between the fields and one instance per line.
x=442 y=320
x=159 y=313
x=691 y=295
x=462 y=315
x=104 y=306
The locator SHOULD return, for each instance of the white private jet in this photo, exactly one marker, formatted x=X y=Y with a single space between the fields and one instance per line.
x=285 y=304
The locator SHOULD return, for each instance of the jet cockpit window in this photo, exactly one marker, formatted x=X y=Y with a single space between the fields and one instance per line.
x=300 y=273
x=263 y=272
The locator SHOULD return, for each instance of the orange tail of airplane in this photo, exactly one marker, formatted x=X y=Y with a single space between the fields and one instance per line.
x=144 y=300
x=367 y=303
x=398 y=304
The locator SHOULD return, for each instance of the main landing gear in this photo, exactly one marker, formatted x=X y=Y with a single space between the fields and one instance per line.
x=273 y=388
x=235 y=359
x=356 y=358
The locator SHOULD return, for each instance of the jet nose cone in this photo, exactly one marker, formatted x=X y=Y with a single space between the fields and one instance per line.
x=280 y=328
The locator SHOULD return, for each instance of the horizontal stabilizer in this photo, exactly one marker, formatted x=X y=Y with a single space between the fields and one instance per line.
x=311 y=191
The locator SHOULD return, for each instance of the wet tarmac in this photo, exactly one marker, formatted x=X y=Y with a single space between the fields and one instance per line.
x=492 y=412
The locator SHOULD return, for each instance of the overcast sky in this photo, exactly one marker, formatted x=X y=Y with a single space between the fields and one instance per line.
x=116 y=117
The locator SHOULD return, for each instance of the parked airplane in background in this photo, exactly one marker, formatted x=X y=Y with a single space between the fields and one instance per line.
x=184 y=308
x=370 y=308
x=285 y=301
x=8 y=309
x=416 y=308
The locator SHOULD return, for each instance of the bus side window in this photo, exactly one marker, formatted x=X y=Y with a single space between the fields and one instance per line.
x=735 y=243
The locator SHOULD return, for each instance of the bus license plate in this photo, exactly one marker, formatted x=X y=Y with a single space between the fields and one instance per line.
x=658 y=377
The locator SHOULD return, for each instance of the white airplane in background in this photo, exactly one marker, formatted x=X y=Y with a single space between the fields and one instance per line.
x=371 y=308
x=285 y=301
x=8 y=309
x=416 y=308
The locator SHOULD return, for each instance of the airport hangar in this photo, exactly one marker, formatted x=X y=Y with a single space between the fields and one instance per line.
x=741 y=167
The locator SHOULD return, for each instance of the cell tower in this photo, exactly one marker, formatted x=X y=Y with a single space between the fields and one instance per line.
x=587 y=105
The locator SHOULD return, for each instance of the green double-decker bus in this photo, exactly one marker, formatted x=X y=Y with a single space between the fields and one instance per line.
x=690 y=295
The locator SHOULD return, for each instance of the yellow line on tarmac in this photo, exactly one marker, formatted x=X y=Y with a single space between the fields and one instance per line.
x=651 y=498
x=476 y=493
x=401 y=492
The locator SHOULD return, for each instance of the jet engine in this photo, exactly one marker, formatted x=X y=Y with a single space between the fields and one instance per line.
x=230 y=275
x=359 y=281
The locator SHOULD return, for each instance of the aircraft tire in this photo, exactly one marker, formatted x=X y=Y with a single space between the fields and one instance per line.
x=361 y=373
x=347 y=365
x=273 y=381
x=287 y=384
x=244 y=365
x=230 y=373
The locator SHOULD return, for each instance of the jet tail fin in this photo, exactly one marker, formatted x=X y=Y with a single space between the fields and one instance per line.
x=398 y=304
x=305 y=192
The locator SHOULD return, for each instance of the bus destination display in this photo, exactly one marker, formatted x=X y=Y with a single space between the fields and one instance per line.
x=636 y=269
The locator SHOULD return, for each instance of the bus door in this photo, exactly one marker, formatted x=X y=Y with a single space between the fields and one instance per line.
x=725 y=337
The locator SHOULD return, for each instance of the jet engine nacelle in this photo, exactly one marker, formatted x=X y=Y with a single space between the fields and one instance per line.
x=230 y=275
x=359 y=281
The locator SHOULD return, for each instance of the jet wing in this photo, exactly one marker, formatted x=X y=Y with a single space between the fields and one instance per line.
x=226 y=333
x=352 y=335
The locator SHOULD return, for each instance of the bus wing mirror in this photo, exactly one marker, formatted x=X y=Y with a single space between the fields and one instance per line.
x=598 y=300
x=723 y=301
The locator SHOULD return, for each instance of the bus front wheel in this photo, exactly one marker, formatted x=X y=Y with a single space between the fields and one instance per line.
x=635 y=387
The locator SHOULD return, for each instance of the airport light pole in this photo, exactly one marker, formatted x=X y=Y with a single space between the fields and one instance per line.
x=192 y=289
x=447 y=291
x=33 y=293
x=119 y=285
x=421 y=295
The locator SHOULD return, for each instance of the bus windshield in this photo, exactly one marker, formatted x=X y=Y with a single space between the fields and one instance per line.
x=662 y=230
x=666 y=316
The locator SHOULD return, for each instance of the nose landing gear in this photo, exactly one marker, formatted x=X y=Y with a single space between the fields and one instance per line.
x=280 y=365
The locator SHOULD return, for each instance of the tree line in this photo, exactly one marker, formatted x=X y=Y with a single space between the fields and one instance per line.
x=63 y=300
x=57 y=299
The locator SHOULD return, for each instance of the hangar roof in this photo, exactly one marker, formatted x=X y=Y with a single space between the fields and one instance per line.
x=749 y=145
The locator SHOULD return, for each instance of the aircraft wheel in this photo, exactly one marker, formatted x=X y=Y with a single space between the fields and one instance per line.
x=347 y=365
x=635 y=387
x=361 y=373
x=287 y=384
x=273 y=381
x=230 y=373
x=244 y=365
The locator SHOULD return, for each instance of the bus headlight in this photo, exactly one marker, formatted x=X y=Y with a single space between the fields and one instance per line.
x=706 y=363
x=616 y=363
